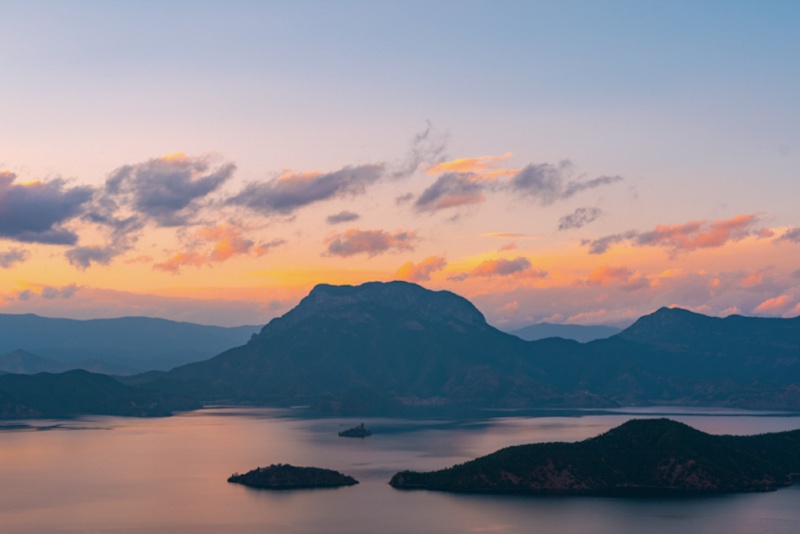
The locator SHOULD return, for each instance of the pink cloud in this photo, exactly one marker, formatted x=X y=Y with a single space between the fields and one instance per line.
x=774 y=305
x=621 y=276
x=519 y=267
x=686 y=237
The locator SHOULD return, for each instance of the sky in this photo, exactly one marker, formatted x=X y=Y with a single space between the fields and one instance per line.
x=575 y=162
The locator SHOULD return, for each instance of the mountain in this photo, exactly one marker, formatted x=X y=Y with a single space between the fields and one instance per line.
x=678 y=330
x=577 y=332
x=80 y=392
x=640 y=457
x=122 y=346
x=377 y=345
x=382 y=346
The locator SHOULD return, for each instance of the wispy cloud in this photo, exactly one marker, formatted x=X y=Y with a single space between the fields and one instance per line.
x=421 y=272
x=166 y=190
x=40 y=291
x=11 y=257
x=426 y=148
x=291 y=191
x=685 y=237
x=792 y=234
x=621 y=276
x=466 y=181
x=369 y=242
x=519 y=267
x=546 y=183
x=342 y=217
x=579 y=218
x=511 y=235
x=35 y=212
x=450 y=190
x=83 y=257
x=180 y=260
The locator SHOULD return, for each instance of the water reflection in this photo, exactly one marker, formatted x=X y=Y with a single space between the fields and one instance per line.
x=170 y=475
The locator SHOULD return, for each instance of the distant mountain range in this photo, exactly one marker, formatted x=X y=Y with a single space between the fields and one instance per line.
x=641 y=457
x=577 y=332
x=127 y=345
x=383 y=346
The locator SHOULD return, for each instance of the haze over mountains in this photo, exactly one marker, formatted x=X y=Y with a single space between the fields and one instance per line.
x=127 y=345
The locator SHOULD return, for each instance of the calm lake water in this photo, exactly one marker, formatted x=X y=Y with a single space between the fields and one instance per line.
x=119 y=475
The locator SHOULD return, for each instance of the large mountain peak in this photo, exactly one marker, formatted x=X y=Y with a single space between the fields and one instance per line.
x=327 y=300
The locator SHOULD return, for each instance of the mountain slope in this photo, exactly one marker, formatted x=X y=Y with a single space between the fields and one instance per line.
x=639 y=457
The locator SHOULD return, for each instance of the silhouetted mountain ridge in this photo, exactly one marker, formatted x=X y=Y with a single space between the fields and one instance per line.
x=577 y=332
x=386 y=345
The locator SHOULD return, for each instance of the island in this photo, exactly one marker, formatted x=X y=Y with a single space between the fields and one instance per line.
x=359 y=431
x=642 y=457
x=285 y=476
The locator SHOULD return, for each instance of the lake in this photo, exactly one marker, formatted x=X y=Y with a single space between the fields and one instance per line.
x=120 y=475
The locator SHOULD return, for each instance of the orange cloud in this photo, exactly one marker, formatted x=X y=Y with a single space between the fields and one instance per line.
x=605 y=275
x=421 y=272
x=181 y=259
x=228 y=240
x=480 y=165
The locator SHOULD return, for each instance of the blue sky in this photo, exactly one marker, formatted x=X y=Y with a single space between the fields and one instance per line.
x=693 y=105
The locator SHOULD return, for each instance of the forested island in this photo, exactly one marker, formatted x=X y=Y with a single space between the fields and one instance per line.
x=640 y=457
x=285 y=476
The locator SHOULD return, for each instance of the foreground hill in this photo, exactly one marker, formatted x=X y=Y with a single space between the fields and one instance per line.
x=640 y=457
x=80 y=392
x=576 y=332
x=125 y=346
x=381 y=346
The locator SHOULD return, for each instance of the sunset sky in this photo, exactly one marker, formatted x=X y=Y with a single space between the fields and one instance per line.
x=570 y=162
